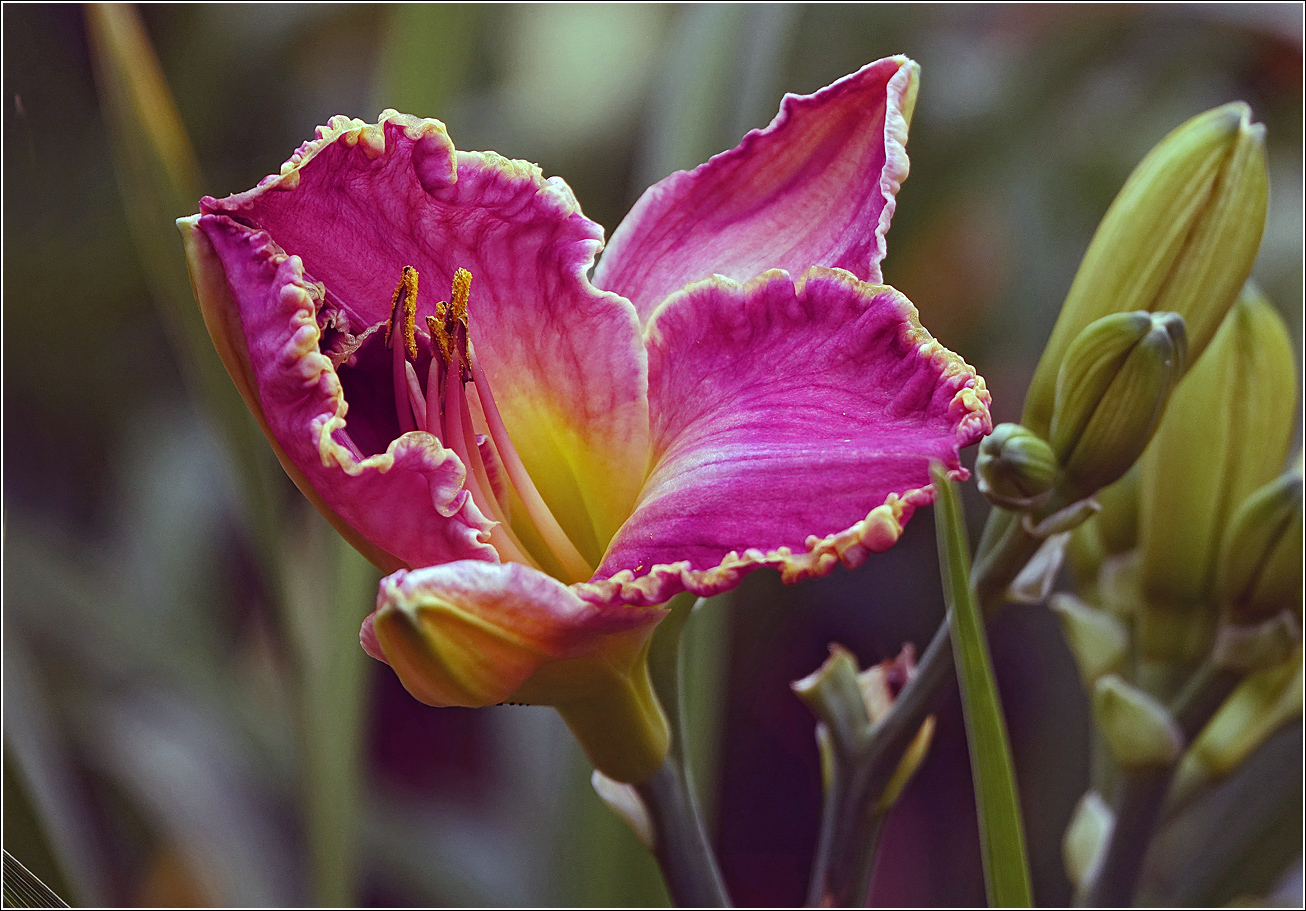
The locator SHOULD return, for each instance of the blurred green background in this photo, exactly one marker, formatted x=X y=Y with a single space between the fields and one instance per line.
x=186 y=724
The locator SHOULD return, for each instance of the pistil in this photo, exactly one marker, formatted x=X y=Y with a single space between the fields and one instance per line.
x=415 y=397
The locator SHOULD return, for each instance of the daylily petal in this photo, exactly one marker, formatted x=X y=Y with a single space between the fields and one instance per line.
x=793 y=426
x=407 y=503
x=474 y=634
x=565 y=360
x=815 y=188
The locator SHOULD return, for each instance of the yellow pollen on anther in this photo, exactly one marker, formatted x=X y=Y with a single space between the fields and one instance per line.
x=441 y=343
x=448 y=327
x=403 y=307
x=462 y=289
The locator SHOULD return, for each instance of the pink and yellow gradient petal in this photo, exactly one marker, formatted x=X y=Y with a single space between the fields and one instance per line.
x=793 y=426
x=817 y=187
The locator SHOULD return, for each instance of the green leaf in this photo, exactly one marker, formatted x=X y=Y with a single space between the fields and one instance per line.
x=1002 y=833
x=328 y=590
x=160 y=180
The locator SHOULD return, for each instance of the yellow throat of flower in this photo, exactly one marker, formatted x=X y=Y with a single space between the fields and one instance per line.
x=442 y=410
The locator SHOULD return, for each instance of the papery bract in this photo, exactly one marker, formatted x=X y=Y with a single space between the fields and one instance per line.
x=694 y=413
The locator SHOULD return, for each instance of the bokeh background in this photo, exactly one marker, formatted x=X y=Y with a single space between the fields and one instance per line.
x=187 y=721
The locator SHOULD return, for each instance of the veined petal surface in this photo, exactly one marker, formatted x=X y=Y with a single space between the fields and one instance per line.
x=815 y=188
x=565 y=360
x=793 y=426
x=473 y=634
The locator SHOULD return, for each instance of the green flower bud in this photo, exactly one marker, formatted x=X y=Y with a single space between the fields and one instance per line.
x=1181 y=236
x=1113 y=531
x=1098 y=640
x=1086 y=837
x=1015 y=467
x=1111 y=392
x=1259 y=572
x=1118 y=519
x=1225 y=433
x=1139 y=731
x=834 y=695
x=849 y=704
x=1261 y=704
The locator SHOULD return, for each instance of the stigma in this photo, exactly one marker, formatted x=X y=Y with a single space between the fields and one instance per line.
x=478 y=437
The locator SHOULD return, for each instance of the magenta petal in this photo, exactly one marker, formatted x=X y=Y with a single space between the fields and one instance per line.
x=565 y=360
x=407 y=501
x=815 y=188
x=793 y=426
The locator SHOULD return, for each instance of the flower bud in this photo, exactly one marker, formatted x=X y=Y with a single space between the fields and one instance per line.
x=1259 y=572
x=1016 y=468
x=834 y=695
x=1225 y=433
x=1139 y=731
x=1260 y=705
x=1086 y=837
x=1111 y=392
x=1099 y=641
x=849 y=704
x=1181 y=236
x=880 y=685
x=1113 y=531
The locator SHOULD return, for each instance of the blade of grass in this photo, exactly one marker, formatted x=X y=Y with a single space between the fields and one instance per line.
x=1002 y=834
x=160 y=180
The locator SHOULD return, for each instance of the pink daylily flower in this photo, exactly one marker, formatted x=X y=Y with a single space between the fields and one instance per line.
x=542 y=459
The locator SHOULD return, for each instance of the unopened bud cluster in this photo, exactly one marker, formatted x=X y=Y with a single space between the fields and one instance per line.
x=849 y=704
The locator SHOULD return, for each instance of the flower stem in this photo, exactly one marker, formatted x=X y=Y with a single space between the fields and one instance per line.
x=682 y=848
x=845 y=853
x=1143 y=791
x=681 y=844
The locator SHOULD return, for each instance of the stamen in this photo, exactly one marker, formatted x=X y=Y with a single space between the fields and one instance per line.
x=482 y=475
x=403 y=314
x=440 y=338
x=556 y=539
x=452 y=366
x=405 y=297
x=476 y=481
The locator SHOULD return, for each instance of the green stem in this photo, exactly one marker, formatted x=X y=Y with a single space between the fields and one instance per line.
x=682 y=848
x=865 y=866
x=1143 y=792
x=680 y=841
x=846 y=825
x=1139 y=800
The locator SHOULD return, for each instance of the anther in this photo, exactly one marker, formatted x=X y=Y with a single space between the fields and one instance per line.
x=403 y=310
x=403 y=315
x=441 y=342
